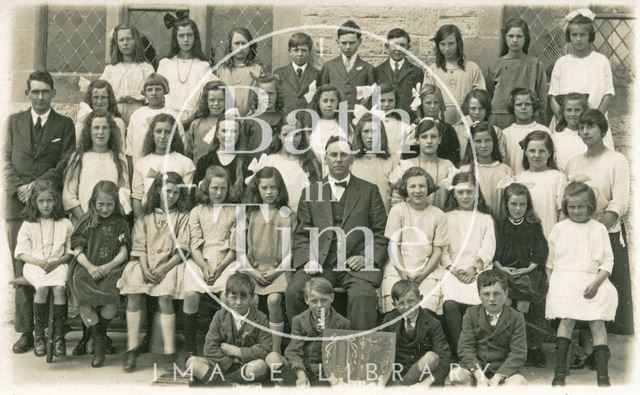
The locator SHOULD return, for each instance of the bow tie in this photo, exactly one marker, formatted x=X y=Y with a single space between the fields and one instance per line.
x=342 y=184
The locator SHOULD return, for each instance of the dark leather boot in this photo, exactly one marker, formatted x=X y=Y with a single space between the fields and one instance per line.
x=562 y=351
x=601 y=355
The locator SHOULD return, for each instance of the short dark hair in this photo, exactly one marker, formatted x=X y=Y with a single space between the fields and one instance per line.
x=319 y=284
x=403 y=287
x=490 y=277
x=352 y=26
x=42 y=76
x=240 y=284
x=575 y=188
x=538 y=135
x=522 y=92
x=480 y=95
x=592 y=117
x=154 y=194
x=511 y=23
x=397 y=33
x=299 y=39
x=580 y=20
x=415 y=172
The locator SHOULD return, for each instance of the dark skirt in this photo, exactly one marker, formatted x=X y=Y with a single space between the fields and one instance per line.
x=88 y=291
x=621 y=280
x=530 y=287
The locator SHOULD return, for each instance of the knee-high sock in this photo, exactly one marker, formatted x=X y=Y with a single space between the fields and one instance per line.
x=59 y=319
x=189 y=329
x=168 y=327
x=277 y=339
x=40 y=319
x=133 y=329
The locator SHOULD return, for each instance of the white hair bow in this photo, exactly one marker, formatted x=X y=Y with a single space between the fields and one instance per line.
x=359 y=111
x=415 y=92
x=585 y=12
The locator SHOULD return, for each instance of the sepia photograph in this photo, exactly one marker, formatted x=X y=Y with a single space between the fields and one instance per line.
x=280 y=195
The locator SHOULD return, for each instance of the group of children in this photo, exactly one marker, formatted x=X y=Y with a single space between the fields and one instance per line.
x=500 y=230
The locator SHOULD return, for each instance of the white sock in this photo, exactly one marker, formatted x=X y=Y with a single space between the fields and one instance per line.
x=168 y=327
x=133 y=328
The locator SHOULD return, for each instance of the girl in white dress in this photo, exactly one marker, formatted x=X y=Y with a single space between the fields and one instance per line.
x=372 y=165
x=212 y=224
x=241 y=70
x=493 y=175
x=162 y=152
x=416 y=251
x=128 y=69
x=325 y=105
x=211 y=108
x=541 y=176
x=583 y=70
x=98 y=157
x=579 y=264
x=99 y=96
x=472 y=243
x=44 y=246
x=290 y=154
x=160 y=245
x=429 y=137
x=186 y=68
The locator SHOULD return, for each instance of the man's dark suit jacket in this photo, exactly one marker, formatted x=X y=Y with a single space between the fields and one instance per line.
x=363 y=207
x=334 y=73
x=291 y=89
x=21 y=166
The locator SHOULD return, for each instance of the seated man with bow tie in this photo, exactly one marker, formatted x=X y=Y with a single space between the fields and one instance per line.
x=493 y=343
x=340 y=236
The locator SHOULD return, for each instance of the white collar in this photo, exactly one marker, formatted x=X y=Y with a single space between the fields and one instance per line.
x=296 y=67
x=333 y=180
x=43 y=117
x=351 y=61
x=496 y=315
x=238 y=319
x=393 y=63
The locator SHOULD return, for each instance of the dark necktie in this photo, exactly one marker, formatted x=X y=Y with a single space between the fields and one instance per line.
x=299 y=72
x=396 y=67
x=341 y=184
x=37 y=132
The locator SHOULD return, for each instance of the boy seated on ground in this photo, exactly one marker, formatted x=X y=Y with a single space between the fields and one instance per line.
x=234 y=348
x=422 y=351
x=493 y=344
x=302 y=360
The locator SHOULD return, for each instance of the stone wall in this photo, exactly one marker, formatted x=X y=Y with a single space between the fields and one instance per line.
x=480 y=27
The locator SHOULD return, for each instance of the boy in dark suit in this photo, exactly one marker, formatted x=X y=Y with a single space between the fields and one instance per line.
x=303 y=358
x=493 y=342
x=347 y=71
x=35 y=141
x=295 y=78
x=397 y=71
x=234 y=350
x=422 y=351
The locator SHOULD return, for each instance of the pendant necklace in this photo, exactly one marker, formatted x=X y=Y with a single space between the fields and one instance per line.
x=188 y=71
x=53 y=232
